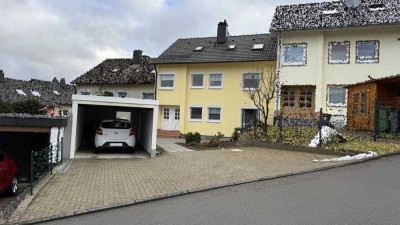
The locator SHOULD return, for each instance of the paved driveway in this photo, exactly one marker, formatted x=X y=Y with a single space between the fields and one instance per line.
x=92 y=183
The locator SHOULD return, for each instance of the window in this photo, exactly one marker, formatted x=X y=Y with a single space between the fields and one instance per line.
x=305 y=98
x=20 y=92
x=166 y=81
x=166 y=113
x=199 y=48
x=364 y=97
x=337 y=96
x=231 y=47
x=288 y=98
x=85 y=92
x=258 y=46
x=294 y=54
x=197 y=80
x=177 y=114
x=214 y=114
x=196 y=113
x=356 y=100
x=215 y=80
x=122 y=94
x=251 y=81
x=367 y=51
x=147 y=95
x=56 y=93
x=63 y=112
x=339 y=52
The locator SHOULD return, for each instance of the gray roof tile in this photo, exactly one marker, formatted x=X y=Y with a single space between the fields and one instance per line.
x=183 y=50
x=311 y=16
x=8 y=91
x=119 y=71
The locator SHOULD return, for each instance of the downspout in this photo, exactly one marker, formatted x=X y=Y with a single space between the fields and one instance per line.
x=155 y=81
x=278 y=72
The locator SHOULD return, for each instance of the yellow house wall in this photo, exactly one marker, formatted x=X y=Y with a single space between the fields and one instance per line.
x=318 y=72
x=230 y=97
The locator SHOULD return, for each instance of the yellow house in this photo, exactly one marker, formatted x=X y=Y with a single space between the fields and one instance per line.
x=201 y=82
x=324 y=46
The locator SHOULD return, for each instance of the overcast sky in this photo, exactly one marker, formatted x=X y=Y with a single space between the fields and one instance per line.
x=43 y=39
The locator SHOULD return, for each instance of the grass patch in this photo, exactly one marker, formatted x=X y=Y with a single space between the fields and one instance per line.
x=301 y=136
x=160 y=150
x=364 y=145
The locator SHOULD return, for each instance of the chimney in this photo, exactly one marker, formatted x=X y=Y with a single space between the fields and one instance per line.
x=55 y=80
x=62 y=82
x=222 y=33
x=352 y=3
x=1 y=76
x=137 y=56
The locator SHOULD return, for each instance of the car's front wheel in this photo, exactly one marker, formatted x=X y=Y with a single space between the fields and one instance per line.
x=12 y=191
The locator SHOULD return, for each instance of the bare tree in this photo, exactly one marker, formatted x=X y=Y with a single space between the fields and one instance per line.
x=260 y=87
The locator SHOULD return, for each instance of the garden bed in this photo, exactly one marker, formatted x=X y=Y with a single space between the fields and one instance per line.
x=205 y=146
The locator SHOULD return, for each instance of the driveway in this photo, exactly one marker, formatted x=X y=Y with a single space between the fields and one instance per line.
x=94 y=184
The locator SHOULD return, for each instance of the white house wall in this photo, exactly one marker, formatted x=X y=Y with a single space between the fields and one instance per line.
x=134 y=91
x=319 y=73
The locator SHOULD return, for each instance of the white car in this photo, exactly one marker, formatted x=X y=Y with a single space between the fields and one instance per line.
x=115 y=134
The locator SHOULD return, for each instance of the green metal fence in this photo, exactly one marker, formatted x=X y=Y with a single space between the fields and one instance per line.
x=43 y=161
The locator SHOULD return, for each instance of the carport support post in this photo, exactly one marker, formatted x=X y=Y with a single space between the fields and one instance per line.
x=154 y=132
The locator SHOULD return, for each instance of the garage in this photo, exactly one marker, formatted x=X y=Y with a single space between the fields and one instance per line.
x=88 y=112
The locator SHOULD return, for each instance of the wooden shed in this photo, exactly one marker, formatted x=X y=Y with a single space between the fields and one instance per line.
x=362 y=98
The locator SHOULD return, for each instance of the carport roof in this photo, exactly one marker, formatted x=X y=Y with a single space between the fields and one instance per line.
x=26 y=120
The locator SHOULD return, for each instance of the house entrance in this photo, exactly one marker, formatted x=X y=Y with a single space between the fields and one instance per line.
x=170 y=118
x=249 y=117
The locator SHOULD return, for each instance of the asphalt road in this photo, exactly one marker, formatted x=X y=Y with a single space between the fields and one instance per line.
x=367 y=193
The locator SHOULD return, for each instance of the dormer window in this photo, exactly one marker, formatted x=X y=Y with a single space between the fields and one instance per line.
x=56 y=93
x=258 y=46
x=376 y=7
x=20 y=92
x=199 y=48
x=330 y=12
x=35 y=93
x=231 y=47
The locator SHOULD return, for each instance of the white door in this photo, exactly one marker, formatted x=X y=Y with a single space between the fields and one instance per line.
x=170 y=119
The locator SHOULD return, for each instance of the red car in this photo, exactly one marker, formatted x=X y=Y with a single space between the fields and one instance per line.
x=8 y=175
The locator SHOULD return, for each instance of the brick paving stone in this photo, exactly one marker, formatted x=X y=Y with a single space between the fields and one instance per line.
x=98 y=183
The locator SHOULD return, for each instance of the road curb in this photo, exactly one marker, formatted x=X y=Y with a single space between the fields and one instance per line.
x=197 y=190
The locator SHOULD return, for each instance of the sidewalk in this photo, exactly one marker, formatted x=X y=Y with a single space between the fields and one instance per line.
x=169 y=145
x=98 y=184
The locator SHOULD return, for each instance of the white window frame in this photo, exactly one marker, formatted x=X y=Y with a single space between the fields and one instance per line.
x=208 y=114
x=147 y=92
x=332 y=61
x=173 y=81
x=209 y=81
x=363 y=61
x=190 y=113
x=335 y=104
x=191 y=80
x=251 y=89
x=303 y=63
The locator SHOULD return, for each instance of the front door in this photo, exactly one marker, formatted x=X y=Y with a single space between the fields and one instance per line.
x=249 y=117
x=170 y=118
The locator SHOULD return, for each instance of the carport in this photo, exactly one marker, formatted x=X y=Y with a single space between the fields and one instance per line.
x=89 y=111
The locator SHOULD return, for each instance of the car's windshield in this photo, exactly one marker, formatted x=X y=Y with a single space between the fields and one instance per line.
x=116 y=125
